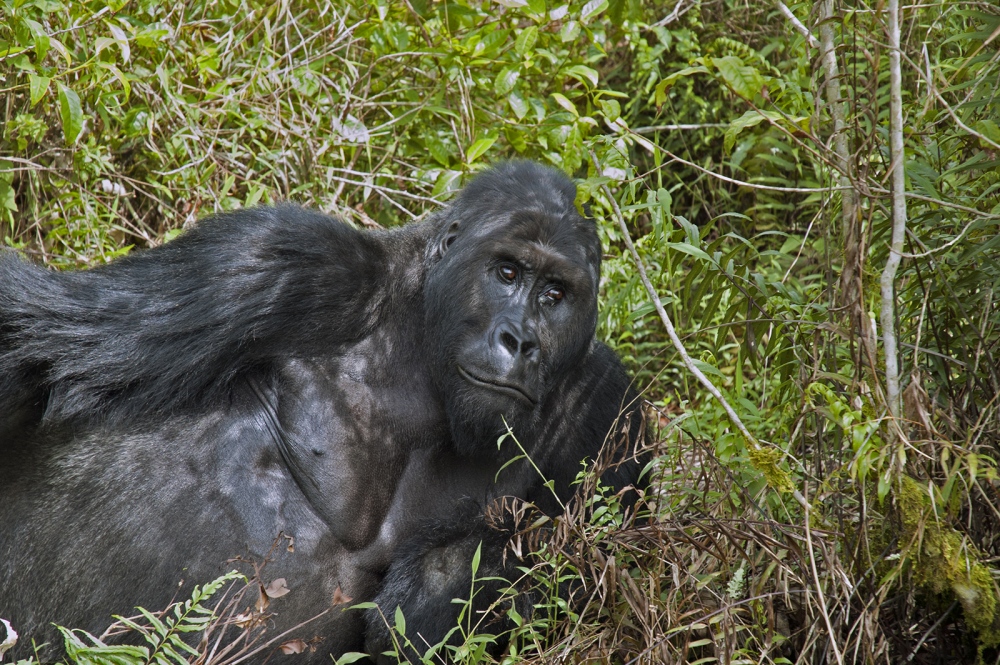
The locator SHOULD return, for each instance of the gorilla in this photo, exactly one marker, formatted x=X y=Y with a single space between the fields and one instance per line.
x=276 y=371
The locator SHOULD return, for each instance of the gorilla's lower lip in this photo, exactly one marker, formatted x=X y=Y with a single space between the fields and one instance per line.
x=506 y=388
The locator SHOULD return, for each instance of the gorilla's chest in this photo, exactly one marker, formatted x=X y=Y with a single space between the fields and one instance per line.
x=367 y=445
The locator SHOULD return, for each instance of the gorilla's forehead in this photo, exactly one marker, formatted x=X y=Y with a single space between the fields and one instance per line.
x=566 y=244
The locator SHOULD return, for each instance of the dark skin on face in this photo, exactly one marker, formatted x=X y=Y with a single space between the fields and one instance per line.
x=528 y=290
x=273 y=371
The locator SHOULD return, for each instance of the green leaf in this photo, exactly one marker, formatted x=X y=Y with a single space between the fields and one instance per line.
x=350 y=657
x=661 y=87
x=536 y=7
x=743 y=79
x=569 y=31
x=122 y=40
x=40 y=37
x=526 y=40
x=583 y=74
x=71 y=113
x=476 y=558
x=988 y=129
x=611 y=109
x=518 y=104
x=565 y=103
x=506 y=79
x=689 y=249
x=118 y=74
x=400 y=621
x=745 y=121
x=477 y=149
x=38 y=86
x=253 y=195
x=592 y=9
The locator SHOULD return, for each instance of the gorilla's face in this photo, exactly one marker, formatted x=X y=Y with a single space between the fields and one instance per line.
x=511 y=306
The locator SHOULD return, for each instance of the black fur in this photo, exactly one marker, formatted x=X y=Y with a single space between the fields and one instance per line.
x=274 y=370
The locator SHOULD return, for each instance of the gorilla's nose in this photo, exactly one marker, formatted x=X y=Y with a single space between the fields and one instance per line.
x=516 y=340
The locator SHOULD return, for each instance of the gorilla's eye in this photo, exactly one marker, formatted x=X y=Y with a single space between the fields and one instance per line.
x=554 y=294
x=507 y=272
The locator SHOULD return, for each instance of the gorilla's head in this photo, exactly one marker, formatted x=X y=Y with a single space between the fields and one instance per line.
x=511 y=298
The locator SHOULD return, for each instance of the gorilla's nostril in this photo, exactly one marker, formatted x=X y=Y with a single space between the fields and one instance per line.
x=509 y=341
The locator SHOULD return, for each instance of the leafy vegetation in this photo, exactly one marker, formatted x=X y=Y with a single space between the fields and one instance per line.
x=750 y=161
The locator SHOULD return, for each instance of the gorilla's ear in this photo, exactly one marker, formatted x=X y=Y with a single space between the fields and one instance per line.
x=445 y=241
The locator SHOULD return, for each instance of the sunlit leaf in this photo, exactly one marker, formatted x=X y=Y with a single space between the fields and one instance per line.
x=592 y=9
x=478 y=148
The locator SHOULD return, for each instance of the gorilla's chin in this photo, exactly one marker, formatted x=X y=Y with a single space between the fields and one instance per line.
x=479 y=415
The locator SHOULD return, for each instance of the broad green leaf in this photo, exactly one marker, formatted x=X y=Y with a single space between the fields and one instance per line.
x=610 y=108
x=526 y=40
x=477 y=149
x=743 y=79
x=582 y=73
x=506 y=79
x=536 y=7
x=592 y=9
x=745 y=121
x=569 y=31
x=438 y=150
x=40 y=37
x=518 y=104
x=37 y=86
x=71 y=114
x=666 y=82
x=565 y=103
x=350 y=657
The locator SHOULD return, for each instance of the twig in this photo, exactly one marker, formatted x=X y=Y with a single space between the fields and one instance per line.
x=819 y=592
x=672 y=332
x=679 y=10
x=797 y=24
x=673 y=128
x=744 y=183
x=923 y=638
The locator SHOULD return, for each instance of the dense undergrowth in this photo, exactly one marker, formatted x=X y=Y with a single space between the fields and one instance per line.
x=752 y=174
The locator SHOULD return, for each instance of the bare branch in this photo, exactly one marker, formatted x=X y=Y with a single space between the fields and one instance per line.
x=797 y=24
x=675 y=338
x=888 y=279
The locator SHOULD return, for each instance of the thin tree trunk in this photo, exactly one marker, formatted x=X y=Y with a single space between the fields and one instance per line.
x=888 y=280
x=850 y=277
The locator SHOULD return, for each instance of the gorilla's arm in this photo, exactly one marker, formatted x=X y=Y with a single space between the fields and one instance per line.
x=170 y=327
x=434 y=567
x=602 y=419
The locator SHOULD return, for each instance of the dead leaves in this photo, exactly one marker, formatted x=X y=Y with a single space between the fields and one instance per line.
x=339 y=597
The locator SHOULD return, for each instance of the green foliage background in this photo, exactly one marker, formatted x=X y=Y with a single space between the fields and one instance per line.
x=125 y=122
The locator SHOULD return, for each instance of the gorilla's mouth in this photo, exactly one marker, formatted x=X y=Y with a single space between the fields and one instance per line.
x=517 y=392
